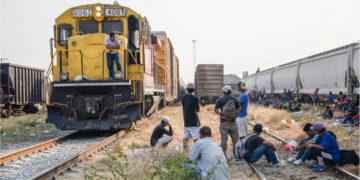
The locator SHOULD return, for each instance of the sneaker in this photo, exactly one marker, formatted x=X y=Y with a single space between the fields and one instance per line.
x=291 y=159
x=298 y=162
x=319 y=169
x=314 y=165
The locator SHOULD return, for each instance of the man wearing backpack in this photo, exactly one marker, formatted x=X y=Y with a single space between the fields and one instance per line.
x=242 y=119
x=229 y=106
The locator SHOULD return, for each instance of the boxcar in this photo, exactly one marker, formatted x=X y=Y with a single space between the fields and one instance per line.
x=209 y=79
x=21 y=88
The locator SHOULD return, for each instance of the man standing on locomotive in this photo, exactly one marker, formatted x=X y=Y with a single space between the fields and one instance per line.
x=112 y=42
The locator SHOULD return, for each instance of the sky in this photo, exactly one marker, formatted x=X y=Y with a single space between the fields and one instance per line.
x=242 y=35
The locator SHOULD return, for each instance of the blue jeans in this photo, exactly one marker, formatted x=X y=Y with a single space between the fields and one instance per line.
x=110 y=62
x=304 y=153
x=264 y=150
x=347 y=118
x=197 y=172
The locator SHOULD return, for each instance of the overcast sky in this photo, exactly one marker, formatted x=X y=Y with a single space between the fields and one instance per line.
x=242 y=35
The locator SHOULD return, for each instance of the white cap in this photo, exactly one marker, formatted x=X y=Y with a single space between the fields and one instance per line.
x=242 y=85
x=165 y=119
x=227 y=89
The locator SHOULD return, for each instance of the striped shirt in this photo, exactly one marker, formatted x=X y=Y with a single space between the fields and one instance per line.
x=210 y=159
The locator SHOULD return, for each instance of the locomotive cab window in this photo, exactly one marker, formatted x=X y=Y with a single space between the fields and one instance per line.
x=64 y=32
x=88 y=27
x=109 y=26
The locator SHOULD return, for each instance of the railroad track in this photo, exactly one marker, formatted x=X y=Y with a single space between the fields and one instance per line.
x=13 y=164
x=263 y=177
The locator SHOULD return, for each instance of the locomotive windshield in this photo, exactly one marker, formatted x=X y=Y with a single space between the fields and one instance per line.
x=88 y=27
x=64 y=32
x=109 y=26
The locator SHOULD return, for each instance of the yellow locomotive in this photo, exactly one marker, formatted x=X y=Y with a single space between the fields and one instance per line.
x=81 y=94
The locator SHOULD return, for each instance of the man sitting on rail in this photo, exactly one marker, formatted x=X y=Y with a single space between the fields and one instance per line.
x=209 y=157
x=157 y=138
x=304 y=152
x=112 y=42
x=326 y=148
x=256 y=147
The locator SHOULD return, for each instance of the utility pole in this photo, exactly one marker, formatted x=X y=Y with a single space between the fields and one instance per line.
x=194 y=46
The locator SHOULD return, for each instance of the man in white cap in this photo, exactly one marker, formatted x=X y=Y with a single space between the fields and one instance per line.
x=190 y=104
x=242 y=119
x=229 y=106
x=157 y=138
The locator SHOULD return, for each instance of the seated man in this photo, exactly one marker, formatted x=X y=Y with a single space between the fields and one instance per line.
x=157 y=138
x=349 y=115
x=328 y=113
x=304 y=152
x=209 y=157
x=256 y=147
x=112 y=42
x=326 y=149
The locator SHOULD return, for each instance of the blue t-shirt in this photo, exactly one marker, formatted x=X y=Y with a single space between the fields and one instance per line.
x=244 y=99
x=330 y=98
x=328 y=142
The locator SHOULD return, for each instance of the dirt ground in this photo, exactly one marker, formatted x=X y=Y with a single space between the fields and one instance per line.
x=140 y=156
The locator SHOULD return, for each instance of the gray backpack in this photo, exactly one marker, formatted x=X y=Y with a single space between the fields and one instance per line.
x=240 y=151
x=229 y=110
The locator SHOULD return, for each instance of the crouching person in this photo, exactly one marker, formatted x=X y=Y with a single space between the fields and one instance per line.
x=256 y=147
x=304 y=152
x=157 y=138
x=327 y=150
x=209 y=157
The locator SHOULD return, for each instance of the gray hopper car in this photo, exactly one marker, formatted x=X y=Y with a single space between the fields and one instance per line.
x=21 y=87
x=209 y=79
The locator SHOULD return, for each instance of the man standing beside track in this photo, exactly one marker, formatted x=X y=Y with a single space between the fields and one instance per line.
x=242 y=119
x=112 y=42
x=190 y=104
x=227 y=123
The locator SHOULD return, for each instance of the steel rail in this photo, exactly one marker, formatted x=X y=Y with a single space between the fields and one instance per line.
x=65 y=165
x=336 y=167
x=34 y=148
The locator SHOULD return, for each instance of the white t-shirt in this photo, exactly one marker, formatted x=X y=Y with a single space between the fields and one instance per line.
x=108 y=42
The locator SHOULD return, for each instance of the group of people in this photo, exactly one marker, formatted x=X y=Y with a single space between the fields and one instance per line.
x=210 y=157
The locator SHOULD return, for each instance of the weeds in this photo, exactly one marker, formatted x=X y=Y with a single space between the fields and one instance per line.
x=133 y=146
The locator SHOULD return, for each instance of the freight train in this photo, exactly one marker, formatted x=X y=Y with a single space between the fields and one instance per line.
x=21 y=88
x=329 y=71
x=81 y=94
x=209 y=79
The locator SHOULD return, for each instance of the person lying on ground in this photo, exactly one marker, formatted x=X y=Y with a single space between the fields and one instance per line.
x=256 y=147
x=328 y=113
x=304 y=152
x=157 y=138
x=209 y=157
x=297 y=108
x=326 y=150
x=349 y=115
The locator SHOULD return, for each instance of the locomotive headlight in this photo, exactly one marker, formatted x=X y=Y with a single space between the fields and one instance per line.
x=98 y=14
x=64 y=76
x=98 y=8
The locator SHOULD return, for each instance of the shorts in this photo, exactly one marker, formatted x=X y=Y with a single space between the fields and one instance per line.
x=163 y=140
x=191 y=132
x=242 y=123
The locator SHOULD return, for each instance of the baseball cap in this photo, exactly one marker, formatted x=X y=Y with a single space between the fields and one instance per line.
x=317 y=127
x=242 y=85
x=226 y=88
x=258 y=127
x=190 y=86
x=165 y=119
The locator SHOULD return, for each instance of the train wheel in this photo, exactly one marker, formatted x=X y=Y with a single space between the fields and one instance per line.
x=5 y=113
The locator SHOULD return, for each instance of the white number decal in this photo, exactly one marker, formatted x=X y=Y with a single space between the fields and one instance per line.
x=115 y=12
x=82 y=12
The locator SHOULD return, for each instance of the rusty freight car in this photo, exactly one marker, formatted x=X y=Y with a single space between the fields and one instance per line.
x=209 y=79
x=21 y=88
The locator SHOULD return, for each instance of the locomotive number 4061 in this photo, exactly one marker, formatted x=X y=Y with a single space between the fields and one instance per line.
x=82 y=12
x=115 y=12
